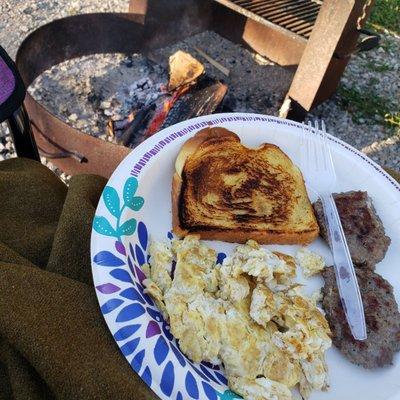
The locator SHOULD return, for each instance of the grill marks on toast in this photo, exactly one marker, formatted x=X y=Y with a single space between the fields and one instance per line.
x=240 y=189
x=223 y=190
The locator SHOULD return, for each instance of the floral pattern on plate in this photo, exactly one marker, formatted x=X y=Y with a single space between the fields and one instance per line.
x=140 y=330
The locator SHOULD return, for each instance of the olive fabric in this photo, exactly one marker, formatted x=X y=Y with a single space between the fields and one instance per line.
x=54 y=342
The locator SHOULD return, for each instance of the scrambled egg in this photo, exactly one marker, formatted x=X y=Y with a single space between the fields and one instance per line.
x=311 y=263
x=246 y=313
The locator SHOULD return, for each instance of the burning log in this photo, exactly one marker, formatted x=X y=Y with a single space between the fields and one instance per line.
x=187 y=95
x=203 y=99
x=161 y=114
x=131 y=136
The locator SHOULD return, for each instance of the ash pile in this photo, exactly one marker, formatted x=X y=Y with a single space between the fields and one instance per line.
x=126 y=99
x=189 y=93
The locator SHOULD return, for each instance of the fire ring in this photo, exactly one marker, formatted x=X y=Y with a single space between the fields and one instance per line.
x=70 y=149
x=155 y=24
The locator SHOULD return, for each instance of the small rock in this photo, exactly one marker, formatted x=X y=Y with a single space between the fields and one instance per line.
x=80 y=124
x=105 y=104
x=129 y=62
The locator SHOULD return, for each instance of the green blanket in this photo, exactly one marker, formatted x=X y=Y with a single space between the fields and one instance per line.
x=54 y=342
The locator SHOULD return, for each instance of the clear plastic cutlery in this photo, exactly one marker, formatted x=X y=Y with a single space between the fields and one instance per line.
x=319 y=173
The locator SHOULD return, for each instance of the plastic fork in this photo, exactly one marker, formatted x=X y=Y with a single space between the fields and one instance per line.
x=320 y=176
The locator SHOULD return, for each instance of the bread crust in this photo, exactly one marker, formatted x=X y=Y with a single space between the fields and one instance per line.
x=188 y=148
x=176 y=193
x=268 y=237
x=192 y=144
x=228 y=235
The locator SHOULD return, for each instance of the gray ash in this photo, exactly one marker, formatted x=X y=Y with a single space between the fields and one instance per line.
x=89 y=91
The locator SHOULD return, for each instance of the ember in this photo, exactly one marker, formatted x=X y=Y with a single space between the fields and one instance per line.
x=187 y=94
x=161 y=115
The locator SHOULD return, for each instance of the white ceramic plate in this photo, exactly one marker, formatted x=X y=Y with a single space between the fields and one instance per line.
x=136 y=206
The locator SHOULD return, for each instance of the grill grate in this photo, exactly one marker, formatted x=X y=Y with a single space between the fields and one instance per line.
x=296 y=16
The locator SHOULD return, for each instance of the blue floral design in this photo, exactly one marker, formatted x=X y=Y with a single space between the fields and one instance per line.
x=160 y=362
x=191 y=386
x=220 y=257
x=161 y=350
x=168 y=379
x=126 y=331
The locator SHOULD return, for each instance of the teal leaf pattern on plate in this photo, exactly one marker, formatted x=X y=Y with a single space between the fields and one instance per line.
x=102 y=226
x=135 y=203
x=127 y=228
x=111 y=200
x=130 y=188
x=228 y=394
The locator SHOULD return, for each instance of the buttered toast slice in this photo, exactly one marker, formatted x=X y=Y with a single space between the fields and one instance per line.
x=225 y=191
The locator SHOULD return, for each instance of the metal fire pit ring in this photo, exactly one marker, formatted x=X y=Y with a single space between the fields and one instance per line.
x=71 y=150
x=157 y=23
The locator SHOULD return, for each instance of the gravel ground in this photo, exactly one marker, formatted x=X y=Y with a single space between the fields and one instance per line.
x=374 y=75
